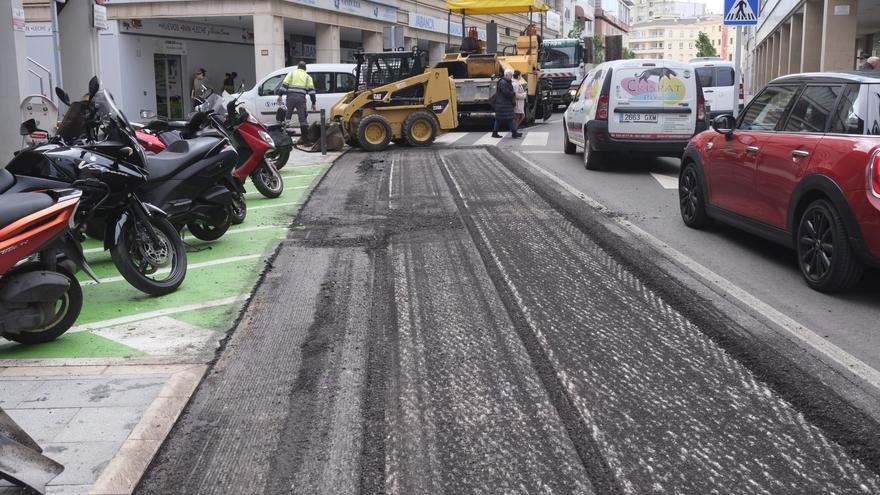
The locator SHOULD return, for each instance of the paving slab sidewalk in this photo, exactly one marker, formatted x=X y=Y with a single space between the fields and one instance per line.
x=101 y=399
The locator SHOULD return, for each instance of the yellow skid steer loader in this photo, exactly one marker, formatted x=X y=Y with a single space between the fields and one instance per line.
x=396 y=100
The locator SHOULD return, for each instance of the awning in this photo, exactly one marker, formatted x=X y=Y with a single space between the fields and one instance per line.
x=583 y=10
x=481 y=7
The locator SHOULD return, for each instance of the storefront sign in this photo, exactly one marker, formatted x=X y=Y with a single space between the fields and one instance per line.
x=309 y=51
x=183 y=29
x=176 y=47
x=38 y=28
x=360 y=8
x=554 y=21
x=99 y=19
x=18 y=19
x=438 y=25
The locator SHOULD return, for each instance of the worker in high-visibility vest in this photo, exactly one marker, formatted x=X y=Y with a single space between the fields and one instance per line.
x=296 y=86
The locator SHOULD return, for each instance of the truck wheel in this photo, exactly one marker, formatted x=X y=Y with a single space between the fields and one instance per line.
x=419 y=129
x=374 y=133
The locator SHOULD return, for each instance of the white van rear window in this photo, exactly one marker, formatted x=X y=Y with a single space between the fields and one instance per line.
x=715 y=77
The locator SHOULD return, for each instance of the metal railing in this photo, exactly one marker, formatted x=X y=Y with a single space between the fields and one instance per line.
x=39 y=66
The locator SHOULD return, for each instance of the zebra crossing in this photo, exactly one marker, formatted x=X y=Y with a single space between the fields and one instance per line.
x=530 y=139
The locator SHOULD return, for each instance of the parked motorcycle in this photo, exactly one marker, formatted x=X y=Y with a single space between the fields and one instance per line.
x=40 y=298
x=95 y=149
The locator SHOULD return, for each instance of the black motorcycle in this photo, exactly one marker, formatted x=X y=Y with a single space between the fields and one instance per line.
x=95 y=150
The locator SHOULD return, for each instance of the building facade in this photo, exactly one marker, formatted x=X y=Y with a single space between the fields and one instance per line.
x=676 y=38
x=795 y=36
x=646 y=10
x=612 y=18
x=148 y=50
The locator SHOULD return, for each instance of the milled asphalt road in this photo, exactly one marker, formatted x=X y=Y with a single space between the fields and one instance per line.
x=436 y=326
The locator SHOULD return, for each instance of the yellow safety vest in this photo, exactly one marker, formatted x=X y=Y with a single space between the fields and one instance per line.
x=298 y=81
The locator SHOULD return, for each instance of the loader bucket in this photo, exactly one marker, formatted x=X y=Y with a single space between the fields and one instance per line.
x=21 y=460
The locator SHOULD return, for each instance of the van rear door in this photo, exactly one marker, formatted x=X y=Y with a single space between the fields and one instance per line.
x=718 y=88
x=652 y=100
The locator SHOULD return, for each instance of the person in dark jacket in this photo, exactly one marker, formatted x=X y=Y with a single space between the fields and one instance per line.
x=505 y=103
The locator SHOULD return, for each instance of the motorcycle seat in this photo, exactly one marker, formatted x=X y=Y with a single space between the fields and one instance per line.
x=178 y=155
x=15 y=206
x=6 y=179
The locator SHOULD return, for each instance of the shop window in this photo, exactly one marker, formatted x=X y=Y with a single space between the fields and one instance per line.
x=271 y=85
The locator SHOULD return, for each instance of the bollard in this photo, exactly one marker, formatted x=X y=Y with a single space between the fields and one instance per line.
x=323 y=133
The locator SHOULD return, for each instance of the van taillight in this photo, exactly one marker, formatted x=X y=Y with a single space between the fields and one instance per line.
x=741 y=94
x=874 y=174
x=602 y=108
x=701 y=108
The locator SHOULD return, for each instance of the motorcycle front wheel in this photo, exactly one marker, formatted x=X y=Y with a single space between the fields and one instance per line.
x=64 y=315
x=267 y=180
x=278 y=158
x=154 y=268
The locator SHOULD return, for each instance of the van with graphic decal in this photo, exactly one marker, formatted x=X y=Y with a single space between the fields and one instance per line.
x=636 y=105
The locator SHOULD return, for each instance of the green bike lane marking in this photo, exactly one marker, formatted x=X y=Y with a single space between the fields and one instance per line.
x=229 y=268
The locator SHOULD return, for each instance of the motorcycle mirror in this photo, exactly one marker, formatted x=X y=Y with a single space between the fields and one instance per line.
x=94 y=86
x=62 y=96
x=28 y=127
x=148 y=114
x=126 y=151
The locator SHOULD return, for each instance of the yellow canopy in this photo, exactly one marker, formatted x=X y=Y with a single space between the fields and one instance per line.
x=480 y=7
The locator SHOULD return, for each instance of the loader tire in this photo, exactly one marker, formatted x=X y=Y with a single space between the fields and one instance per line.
x=419 y=129
x=374 y=133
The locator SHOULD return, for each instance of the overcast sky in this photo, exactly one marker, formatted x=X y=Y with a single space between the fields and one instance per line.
x=714 y=6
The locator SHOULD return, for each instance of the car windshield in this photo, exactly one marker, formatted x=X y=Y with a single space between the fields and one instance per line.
x=560 y=57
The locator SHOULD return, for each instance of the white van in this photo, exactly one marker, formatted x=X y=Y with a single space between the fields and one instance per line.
x=635 y=105
x=716 y=77
x=332 y=82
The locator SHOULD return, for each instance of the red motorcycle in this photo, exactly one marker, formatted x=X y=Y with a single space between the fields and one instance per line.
x=39 y=296
x=250 y=138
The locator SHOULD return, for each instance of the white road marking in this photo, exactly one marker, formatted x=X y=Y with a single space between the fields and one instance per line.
x=276 y=205
x=391 y=186
x=487 y=140
x=536 y=139
x=721 y=284
x=257 y=193
x=122 y=320
x=294 y=176
x=667 y=181
x=194 y=266
x=450 y=137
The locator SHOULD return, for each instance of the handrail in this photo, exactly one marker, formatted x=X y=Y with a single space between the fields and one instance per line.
x=48 y=73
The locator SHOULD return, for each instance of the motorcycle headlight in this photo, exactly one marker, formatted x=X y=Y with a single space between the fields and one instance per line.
x=266 y=137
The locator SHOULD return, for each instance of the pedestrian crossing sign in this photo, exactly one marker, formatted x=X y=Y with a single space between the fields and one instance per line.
x=740 y=12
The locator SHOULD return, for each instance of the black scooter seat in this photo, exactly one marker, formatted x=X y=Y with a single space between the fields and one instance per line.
x=6 y=179
x=14 y=206
x=178 y=155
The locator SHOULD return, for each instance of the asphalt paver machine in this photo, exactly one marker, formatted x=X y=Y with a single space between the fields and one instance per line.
x=397 y=100
x=475 y=68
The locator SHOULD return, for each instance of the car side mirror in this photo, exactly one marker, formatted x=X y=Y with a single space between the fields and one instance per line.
x=62 y=96
x=28 y=127
x=724 y=124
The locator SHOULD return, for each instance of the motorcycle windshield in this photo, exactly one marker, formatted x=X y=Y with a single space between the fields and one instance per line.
x=73 y=127
x=118 y=127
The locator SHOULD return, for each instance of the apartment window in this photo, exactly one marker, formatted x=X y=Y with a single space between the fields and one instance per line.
x=713 y=42
x=691 y=45
x=680 y=46
x=731 y=41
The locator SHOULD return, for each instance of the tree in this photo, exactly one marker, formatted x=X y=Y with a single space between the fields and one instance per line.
x=576 y=29
x=627 y=53
x=704 y=46
x=598 y=50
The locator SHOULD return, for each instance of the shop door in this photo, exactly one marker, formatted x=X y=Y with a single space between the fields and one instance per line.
x=169 y=86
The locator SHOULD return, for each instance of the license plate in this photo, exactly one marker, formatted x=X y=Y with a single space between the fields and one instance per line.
x=556 y=93
x=639 y=117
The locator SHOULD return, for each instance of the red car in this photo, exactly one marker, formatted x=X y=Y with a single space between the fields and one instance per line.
x=800 y=166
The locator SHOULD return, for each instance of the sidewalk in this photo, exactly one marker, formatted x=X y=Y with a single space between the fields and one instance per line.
x=101 y=399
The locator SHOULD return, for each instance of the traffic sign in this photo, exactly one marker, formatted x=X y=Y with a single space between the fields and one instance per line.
x=740 y=12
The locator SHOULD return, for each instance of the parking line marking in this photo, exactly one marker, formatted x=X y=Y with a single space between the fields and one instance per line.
x=258 y=193
x=795 y=329
x=228 y=232
x=666 y=181
x=534 y=138
x=276 y=205
x=194 y=266
x=122 y=320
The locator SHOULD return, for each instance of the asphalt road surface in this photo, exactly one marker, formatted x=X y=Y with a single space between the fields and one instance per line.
x=439 y=323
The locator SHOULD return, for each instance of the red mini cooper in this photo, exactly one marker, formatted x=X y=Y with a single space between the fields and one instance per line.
x=800 y=166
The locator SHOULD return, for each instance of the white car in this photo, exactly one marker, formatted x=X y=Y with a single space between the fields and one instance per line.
x=332 y=82
x=716 y=77
x=635 y=105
